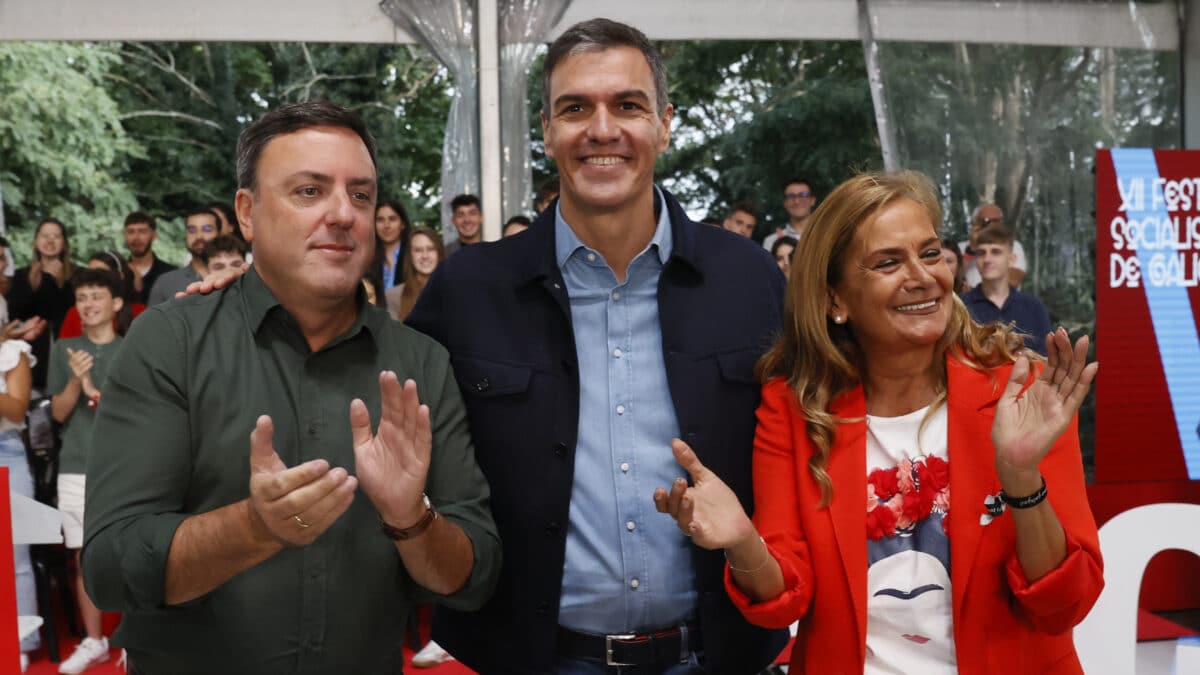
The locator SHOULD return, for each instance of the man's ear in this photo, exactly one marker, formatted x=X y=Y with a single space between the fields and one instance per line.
x=667 y=115
x=243 y=204
x=118 y=303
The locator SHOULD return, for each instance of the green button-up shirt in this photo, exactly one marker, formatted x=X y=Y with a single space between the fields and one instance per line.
x=172 y=440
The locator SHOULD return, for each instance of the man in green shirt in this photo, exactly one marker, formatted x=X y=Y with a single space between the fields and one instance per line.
x=266 y=555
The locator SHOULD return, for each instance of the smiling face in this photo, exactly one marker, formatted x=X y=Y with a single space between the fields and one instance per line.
x=895 y=293
x=798 y=200
x=424 y=254
x=48 y=242
x=603 y=131
x=388 y=225
x=312 y=215
x=468 y=220
x=96 y=304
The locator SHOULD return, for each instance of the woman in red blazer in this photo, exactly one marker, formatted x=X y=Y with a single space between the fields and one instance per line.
x=919 y=491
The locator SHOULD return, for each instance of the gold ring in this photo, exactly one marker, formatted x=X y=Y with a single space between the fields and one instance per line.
x=300 y=521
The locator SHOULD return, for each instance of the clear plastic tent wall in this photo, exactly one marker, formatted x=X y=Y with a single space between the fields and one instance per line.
x=1018 y=125
x=447 y=29
x=523 y=26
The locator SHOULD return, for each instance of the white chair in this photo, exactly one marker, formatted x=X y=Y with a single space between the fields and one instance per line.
x=1107 y=639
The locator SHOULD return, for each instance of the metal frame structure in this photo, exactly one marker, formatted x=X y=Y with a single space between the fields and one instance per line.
x=1169 y=25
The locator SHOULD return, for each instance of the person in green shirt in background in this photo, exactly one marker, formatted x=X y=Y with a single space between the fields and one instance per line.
x=244 y=514
x=78 y=367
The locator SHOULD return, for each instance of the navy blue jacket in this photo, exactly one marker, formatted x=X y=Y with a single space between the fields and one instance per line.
x=501 y=309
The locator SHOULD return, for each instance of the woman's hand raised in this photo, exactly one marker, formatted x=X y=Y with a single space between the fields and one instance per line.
x=708 y=512
x=1028 y=423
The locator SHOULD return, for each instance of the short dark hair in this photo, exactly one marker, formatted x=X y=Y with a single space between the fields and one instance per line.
x=201 y=211
x=289 y=119
x=141 y=218
x=796 y=180
x=517 y=220
x=87 y=276
x=784 y=241
x=995 y=233
x=597 y=35
x=464 y=200
x=226 y=243
x=745 y=207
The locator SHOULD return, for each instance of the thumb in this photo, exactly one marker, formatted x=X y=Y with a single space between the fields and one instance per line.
x=263 y=458
x=1017 y=379
x=688 y=460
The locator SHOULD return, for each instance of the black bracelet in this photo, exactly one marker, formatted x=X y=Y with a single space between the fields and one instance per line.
x=1026 y=502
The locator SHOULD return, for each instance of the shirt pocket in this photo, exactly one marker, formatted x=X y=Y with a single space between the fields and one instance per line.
x=487 y=378
x=738 y=365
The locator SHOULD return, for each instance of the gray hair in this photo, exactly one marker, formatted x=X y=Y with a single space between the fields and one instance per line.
x=596 y=35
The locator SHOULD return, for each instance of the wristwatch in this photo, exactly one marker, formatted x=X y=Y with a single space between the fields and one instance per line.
x=405 y=533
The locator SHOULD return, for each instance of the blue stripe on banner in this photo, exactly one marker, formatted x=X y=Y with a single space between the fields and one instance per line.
x=1170 y=309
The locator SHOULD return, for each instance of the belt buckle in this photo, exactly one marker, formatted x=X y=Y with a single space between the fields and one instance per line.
x=608 y=649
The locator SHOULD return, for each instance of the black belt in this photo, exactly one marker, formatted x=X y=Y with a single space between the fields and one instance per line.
x=665 y=647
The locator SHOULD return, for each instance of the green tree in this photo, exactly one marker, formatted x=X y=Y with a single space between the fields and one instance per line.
x=63 y=150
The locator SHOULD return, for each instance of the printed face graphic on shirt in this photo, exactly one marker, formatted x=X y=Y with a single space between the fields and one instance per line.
x=908 y=589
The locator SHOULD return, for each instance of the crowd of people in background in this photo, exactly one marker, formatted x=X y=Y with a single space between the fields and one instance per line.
x=70 y=321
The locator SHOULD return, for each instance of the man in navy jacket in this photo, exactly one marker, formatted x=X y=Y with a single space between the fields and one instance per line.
x=582 y=346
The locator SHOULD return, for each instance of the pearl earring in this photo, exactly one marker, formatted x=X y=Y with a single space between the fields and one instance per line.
x=837 y=318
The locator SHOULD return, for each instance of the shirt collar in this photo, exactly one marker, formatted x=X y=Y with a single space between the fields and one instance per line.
x=566 y=242
x=260 y=301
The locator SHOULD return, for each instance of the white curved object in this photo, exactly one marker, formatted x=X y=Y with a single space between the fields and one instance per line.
x=1107 y=639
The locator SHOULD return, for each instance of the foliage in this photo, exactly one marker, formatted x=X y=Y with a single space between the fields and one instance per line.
x=63 y=151
x=90 y=132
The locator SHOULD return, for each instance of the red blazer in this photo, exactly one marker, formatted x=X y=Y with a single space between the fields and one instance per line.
x=1002 y=622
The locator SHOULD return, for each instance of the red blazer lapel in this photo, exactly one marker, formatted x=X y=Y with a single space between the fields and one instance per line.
x=971 y=397
x=848 y=510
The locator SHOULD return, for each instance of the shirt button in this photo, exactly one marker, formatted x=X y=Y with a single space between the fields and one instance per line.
x=483 y=385
x=560 y=450
x=312 y=430
x=616 y=296
x=591 y=257
x=624 y=467
x=620 y=410
x=617 y=352
x=634 y=583
x=631 y=526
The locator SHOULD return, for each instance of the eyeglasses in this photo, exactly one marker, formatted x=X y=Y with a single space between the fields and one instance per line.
x=193 y=229
x=793 y=196
x=984 y=222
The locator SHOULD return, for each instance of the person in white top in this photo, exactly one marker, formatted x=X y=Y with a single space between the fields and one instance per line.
x=15 y=385
x=894 y=431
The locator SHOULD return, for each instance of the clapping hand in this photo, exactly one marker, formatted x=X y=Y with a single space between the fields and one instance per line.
x=393 y=463
x=27 y=330
x=708 y=512
x=80 y=363
x=294 y=505
x=1027 y=424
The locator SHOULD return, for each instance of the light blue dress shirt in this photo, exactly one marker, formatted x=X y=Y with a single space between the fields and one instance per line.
x=628 y=568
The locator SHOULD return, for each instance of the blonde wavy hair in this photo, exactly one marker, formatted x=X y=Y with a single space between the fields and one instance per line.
x=820 y=359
